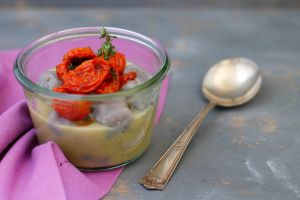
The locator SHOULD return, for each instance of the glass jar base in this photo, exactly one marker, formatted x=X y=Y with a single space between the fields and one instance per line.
x=110 y=167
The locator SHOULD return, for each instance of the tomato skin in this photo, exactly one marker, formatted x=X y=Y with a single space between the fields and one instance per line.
x=100 y=61
x=59 y=89
x=71 y=110
x=117 y=61
x=84 y=79
x=62 y=69
x=78 y=55
x=73 y=58
x=130 y=76
x=111 y=85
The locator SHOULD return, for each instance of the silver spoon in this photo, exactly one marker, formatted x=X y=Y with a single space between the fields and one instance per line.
x=228 y=83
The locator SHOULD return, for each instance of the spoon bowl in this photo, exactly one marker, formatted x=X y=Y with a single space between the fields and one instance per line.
x=232 y=82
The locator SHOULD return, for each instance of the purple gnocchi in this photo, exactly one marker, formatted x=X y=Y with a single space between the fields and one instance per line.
x=141 y=101
x=112 y=114
x=49 y=80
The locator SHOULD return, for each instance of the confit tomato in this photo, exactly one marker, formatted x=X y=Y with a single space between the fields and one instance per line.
x=117 y=61
x=71 y=110
x=130 y=76
x=72 y=59
x=77 y=55
x=85 y=78
x=111 y=85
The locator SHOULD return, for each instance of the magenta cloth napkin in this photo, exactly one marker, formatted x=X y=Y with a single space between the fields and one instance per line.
x=32 y=171
x=10 y=91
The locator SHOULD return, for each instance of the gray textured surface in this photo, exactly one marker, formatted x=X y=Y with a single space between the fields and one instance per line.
x=249 y=152
x=152 y=3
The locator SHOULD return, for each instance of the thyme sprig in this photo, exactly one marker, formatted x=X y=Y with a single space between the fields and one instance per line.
x=107 y=49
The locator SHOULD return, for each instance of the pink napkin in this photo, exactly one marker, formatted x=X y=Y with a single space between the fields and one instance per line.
x=32 y=171
x=10 y=91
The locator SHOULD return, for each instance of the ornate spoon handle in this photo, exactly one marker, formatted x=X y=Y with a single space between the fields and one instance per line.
x=161 y=172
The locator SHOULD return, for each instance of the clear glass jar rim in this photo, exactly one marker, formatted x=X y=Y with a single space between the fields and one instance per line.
x=89 y=31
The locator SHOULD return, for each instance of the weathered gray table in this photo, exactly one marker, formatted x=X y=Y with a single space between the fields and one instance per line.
x=248 y=152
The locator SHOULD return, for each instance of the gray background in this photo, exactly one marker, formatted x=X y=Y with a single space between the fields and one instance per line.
x=248 y=152
x=152 y=3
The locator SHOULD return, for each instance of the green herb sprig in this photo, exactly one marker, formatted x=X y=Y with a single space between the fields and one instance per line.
x=107 y=49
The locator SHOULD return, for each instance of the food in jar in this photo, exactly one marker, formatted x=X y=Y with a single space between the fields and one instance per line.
x=95 y=134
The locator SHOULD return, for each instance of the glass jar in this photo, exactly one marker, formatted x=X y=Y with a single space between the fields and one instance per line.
x=91 y=144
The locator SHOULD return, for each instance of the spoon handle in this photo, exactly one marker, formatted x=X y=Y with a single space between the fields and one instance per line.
x=161 y=172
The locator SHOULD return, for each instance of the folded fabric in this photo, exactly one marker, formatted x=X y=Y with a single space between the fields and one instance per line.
x=32 y=171
x=10 y=91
